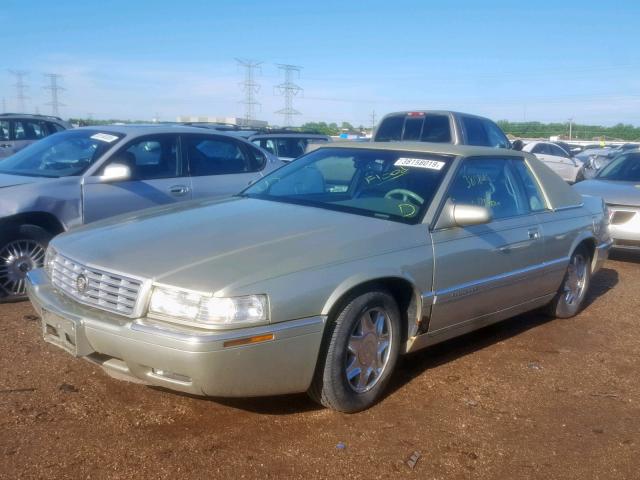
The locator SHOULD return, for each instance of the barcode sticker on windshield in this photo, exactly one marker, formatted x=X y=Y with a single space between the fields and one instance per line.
x=419 y=163
x=105 y=137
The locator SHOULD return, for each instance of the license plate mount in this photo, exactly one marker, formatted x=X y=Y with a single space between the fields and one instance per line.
x=64 y=333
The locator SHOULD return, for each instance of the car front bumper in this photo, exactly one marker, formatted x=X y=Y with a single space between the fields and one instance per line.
x=626 y=231
x=188 y=360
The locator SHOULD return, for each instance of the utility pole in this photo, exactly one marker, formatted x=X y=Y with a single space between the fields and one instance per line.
x=373 y=121
x=55 y=89
x=21 y=87
x=288 y=89
x=249 y=87
x=570 y=127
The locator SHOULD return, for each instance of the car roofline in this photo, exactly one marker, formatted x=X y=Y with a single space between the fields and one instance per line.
x=426 y=147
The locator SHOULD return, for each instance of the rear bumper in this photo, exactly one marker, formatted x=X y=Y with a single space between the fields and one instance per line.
x=187 y=360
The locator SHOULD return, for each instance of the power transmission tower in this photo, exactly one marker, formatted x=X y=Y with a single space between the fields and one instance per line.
x=373 y=121
x=250 y=88
x=21 y=87
x=55 y=89
x=288 y=90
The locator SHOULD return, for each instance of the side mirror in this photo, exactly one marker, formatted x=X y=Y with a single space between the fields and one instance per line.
x=116 y=172
x=463 y=215
x=467 y=215
x=517 y=145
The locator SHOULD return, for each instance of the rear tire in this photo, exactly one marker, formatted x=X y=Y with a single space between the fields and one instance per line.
x=21 y=250
x=570 y=297
x=359 y=353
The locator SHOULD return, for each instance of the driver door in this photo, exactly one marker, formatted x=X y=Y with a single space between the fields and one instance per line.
x=483 y=269
x=157 y=178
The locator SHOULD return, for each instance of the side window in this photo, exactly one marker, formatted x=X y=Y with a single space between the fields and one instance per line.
x=4 y=130
x=265 y=143
x=436 y=129
x=489 y=183
x=28 y=130
x=535 y=199
x=538 y=148
x=291 y=147
x=151 y=158
x=258 y=159
x=495 y=136
x=54 y=128
x=557 y=151
x=215 y=156
x=475 y=131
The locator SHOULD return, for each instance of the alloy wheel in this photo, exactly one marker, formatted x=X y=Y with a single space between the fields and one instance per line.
x=17 y=258
x=576 y=280
x=368 y=350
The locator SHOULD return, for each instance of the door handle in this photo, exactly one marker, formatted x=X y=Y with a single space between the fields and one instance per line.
x=534 y=234
x=179 y=190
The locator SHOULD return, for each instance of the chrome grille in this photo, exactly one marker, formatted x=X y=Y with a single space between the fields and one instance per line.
x=104 y=290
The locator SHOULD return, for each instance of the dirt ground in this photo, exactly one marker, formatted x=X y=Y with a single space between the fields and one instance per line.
x=528 y=398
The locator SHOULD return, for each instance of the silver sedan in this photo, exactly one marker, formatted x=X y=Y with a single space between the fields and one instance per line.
x=618 y=184
x=318 y=276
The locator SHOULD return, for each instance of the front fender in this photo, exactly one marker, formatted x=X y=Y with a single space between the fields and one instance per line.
x=377 y=275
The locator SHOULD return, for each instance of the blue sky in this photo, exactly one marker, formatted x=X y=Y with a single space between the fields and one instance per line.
x=542 y=60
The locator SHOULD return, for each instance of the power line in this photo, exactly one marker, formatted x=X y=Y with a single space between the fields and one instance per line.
x=288 y=90
x=249 y=87
x=55 y=89
x=21 y=87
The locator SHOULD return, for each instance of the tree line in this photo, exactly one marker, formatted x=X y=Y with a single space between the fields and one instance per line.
x=578 y=131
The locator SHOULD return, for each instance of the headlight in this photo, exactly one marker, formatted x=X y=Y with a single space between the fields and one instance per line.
x=208 y=311
x=49 y=258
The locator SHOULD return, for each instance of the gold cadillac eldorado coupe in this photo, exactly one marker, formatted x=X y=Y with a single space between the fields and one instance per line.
x=318 y=276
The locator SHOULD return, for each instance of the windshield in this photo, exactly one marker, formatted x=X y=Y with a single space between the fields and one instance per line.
x=625 y=168
x=63 y=154
x=386 y=184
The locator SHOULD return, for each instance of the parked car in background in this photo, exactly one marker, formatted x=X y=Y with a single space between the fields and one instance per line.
x=572 y=150
x=287 y=145
x=87 y=174
x=618 y=183
x=594 y=159
x=318 y=276
x=558 y=159
x=437 y=126
x=19 y=130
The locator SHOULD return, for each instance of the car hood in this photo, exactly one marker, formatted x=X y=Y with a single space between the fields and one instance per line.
x=7 y=180
x=613 y=192
x=215 y=246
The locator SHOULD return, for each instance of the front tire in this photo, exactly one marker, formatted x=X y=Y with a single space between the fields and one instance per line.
x=360 y=353
x=21 y=250
x=575 y=285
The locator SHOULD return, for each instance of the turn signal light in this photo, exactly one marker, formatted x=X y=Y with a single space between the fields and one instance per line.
x=249 y=340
